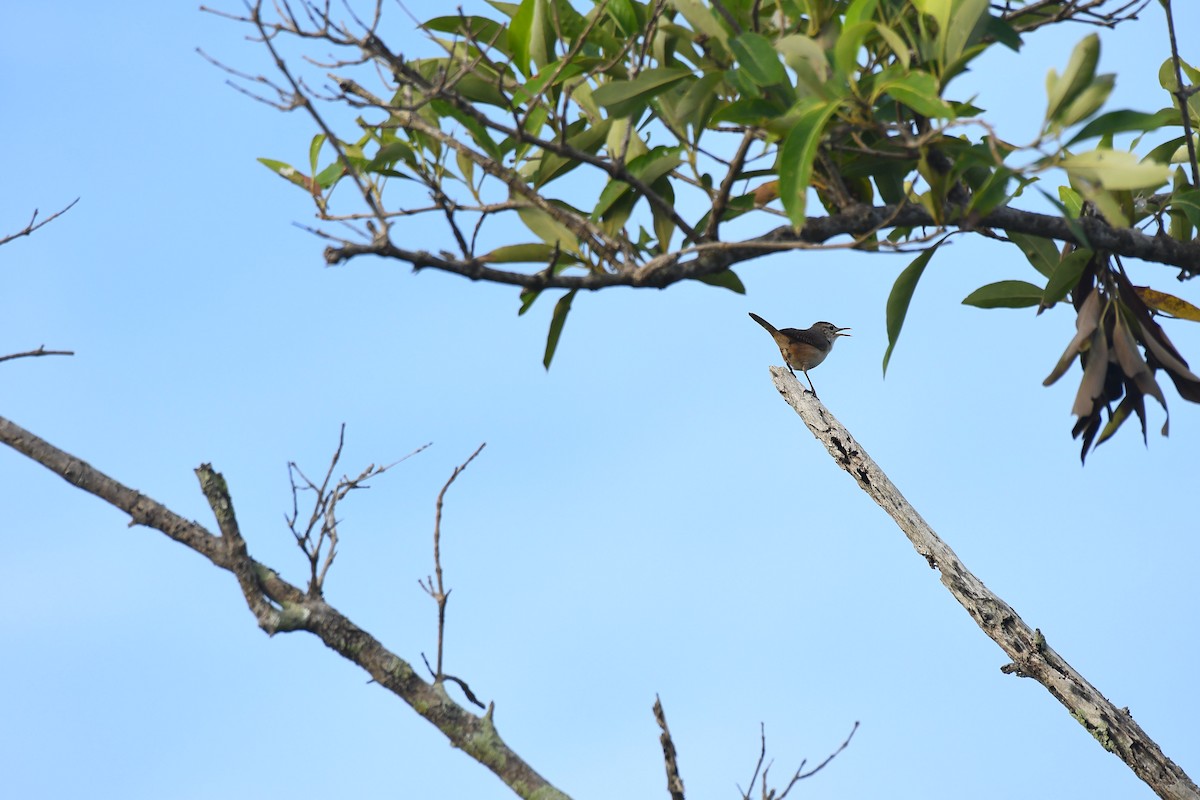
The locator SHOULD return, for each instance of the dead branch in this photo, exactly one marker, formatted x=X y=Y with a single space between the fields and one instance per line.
x=674 y=781
x=1112 y=727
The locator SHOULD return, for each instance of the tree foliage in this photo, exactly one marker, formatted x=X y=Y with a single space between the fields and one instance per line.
x=647 y=143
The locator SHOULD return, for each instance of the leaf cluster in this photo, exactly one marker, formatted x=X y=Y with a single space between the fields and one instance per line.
x=640 y=143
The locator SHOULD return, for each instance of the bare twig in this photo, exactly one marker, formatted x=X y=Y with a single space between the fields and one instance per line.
x=439 y=592
x=34 y=224
x=319 y=538
x=1181 y=94
x=769 y=793
x=41 y=351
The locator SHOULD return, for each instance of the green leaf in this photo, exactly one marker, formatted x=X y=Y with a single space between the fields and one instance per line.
x=796 y=158
x=807 y=58
x=992 y=194
x=622 y=13
x=623 y=98
x=561 y=309
x=1072 y=201
x=705 y=22
x=901 y=296
x=1189 y=203
x=1085 y=104
x=849 y=43
x=481 y=28
x=531 y=36
x=1115 y=170
x=1042 y=253
x=1079 y=74
x=1065 y=276
x=859 y=11
x=1123 y=121
x=330 y=175
x=919 y=91
x=548 y=229
x=586 y=137
x=964 y=20
x=527 y=298
x=529 y=253
x=648 y=167
x=1005 y=294
x=697 y=103
x=288 y=172
x=899 y=47
x=314 y=150
x=758 y=59
x=726 y=279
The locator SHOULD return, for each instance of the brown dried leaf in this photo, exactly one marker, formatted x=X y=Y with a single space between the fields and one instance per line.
x=1166 y=354
x=1092 y=386
x=1132 y=363
x=1085 y=325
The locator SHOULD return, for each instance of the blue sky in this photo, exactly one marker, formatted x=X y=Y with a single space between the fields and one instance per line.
x=648 y=517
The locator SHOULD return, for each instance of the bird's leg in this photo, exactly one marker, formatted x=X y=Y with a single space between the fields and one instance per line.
x=810 y=383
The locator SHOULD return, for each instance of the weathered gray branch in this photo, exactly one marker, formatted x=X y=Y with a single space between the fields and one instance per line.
x=1031 y=656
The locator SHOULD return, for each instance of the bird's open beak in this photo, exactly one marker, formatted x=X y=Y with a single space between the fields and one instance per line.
x=839 y=331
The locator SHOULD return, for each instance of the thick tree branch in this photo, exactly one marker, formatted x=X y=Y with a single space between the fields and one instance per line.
x=710 y=258
x=280 y=606
x=1032 y=657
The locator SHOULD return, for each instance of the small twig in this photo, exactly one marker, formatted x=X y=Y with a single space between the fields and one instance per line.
x=1181 y=95
x=773 y=794
x=799 y=776
x=34 y=224
x=323 y=521
x=439 y=592
x=41 y=351
x=674 y=781
x=762 y=756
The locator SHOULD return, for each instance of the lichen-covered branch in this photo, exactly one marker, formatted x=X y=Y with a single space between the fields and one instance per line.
x=280 y=606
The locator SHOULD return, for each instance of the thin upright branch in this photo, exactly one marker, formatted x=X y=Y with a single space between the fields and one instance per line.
x=1181 y=94
x=438 y=590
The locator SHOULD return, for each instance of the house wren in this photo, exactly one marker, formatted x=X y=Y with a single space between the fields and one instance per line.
x=803 y=349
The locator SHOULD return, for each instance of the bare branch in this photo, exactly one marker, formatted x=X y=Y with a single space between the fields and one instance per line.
x=41 y=351
x=321 y=549
x=439 y=592
x=34 y=224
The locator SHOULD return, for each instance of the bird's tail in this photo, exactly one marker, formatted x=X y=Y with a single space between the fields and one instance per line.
x=770 y=328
